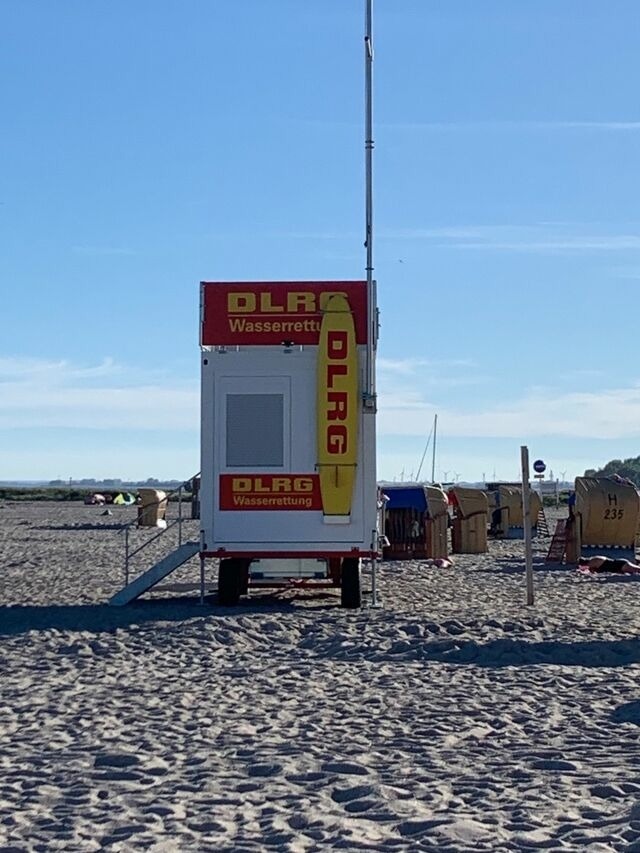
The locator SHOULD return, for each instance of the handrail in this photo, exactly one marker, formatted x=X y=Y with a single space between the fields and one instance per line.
x=153 y=538
x=162 y=500
x=127 y=527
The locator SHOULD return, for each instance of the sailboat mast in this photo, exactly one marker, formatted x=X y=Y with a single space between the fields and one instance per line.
x=433 y=460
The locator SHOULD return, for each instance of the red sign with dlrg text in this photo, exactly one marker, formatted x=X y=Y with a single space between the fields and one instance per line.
x=246 y=492
x=273 y=312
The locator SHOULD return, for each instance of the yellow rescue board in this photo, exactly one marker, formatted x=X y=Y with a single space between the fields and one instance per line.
x=338 y=407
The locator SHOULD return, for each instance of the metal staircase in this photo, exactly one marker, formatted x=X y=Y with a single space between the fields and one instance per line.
x=542 y=525
x=169 y=563
x=558 y=544
x=156 y=573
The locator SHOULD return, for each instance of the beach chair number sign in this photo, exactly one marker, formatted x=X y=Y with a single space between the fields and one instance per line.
x=613 y=513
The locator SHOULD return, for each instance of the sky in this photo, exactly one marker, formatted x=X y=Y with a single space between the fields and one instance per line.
x=149 y=145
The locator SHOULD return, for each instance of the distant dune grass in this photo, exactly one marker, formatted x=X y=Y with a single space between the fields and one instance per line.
x=42 y=494
x=15 y=493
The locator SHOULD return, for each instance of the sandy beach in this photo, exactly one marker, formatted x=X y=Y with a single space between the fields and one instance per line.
x=454 y=718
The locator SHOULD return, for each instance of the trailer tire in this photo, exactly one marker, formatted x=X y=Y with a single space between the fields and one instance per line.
x=229 y=582
x=350 y=587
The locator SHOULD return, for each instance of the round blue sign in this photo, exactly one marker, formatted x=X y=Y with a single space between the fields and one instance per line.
x=539 y=467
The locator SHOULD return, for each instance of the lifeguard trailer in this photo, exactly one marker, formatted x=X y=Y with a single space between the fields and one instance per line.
x=288 y=479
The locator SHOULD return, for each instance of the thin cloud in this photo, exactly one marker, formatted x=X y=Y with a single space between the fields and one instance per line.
x=107 y=395
x=524 y=238
x=486 y=125
x=310 y=235
x=288 y=234
x=540 y=237
x=337 y=256
x=401 y=366
x=579 y=374
x=611 y=414
x=513 y=125
x=408 y=366
x=627 y=273
x=25 y=370
x=57 y=394
x=615 y=243
x=436 y=373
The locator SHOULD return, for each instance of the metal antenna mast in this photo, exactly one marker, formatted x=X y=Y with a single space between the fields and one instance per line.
x=370 y=390
x=369 y=396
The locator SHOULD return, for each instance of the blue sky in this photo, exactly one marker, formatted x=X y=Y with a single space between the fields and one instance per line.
x=149 y=145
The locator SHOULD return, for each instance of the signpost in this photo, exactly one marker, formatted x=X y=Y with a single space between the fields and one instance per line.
x=526 y=512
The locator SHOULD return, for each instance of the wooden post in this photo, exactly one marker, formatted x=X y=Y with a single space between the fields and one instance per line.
x=526 y=513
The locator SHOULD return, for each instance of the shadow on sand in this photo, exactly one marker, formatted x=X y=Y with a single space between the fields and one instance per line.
x=515 y=652
x=501 y=653
x=511 y=566
x=98 y=618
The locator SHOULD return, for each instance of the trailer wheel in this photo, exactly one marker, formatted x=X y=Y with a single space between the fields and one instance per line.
x=350 y=588
x=229 y=582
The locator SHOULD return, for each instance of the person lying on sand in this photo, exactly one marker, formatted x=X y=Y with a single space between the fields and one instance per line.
x=599 y=564
x=440 y=562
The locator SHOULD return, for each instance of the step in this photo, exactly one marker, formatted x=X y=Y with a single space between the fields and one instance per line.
x=558 y=544
x=156 y=573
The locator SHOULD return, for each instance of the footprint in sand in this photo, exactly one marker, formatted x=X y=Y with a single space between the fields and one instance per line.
x=555 y=764
x=345 y=795
x=607 y=792
x=119 y=760
x=346 y=768
x=302 y=778
x=264 y=769
x=358 y=806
